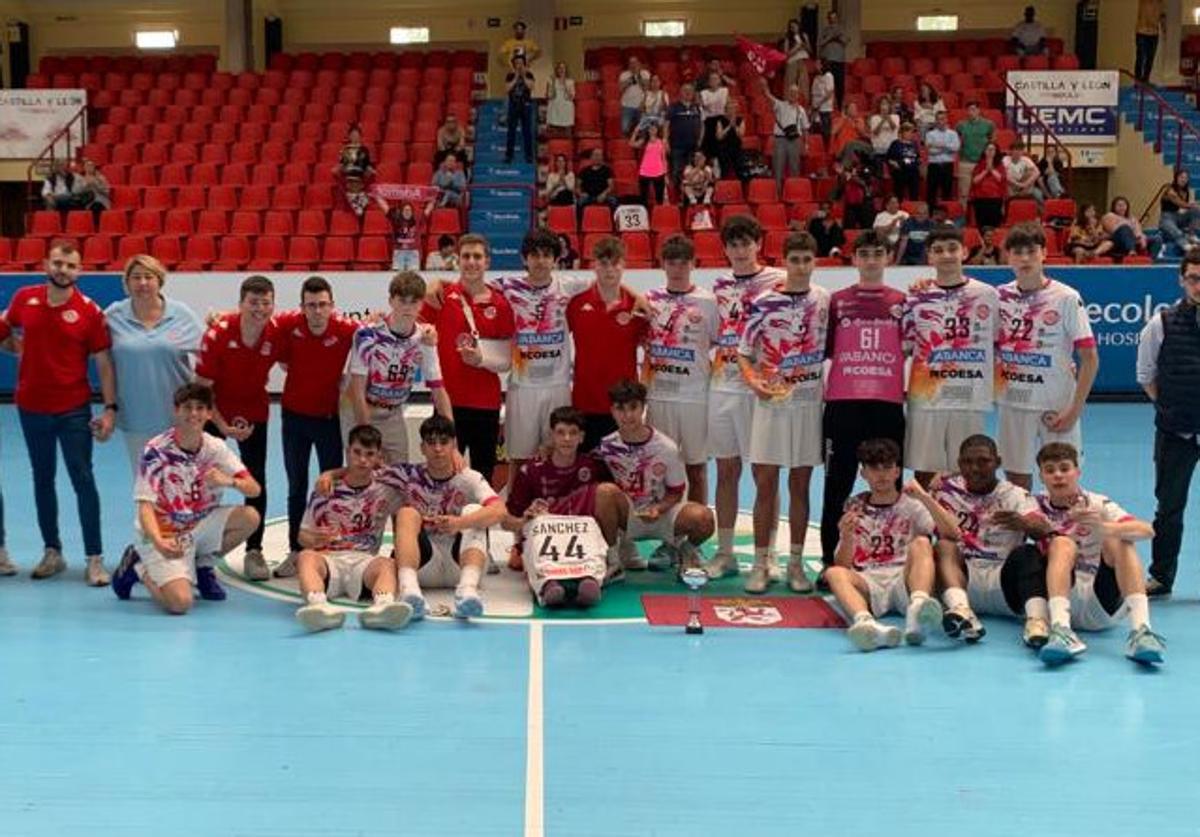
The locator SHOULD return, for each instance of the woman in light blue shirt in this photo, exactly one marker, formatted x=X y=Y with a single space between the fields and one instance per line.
x=153 y=339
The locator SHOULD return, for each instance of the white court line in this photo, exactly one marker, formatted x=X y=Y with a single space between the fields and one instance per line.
x=534 y=805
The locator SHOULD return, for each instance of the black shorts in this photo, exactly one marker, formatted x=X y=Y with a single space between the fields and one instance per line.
x=425 y=546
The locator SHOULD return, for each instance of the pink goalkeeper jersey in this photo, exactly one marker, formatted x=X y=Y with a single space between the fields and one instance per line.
x=865 y=345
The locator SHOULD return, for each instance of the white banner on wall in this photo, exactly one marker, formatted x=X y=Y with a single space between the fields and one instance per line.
x=1079 y=106
x=30 y=120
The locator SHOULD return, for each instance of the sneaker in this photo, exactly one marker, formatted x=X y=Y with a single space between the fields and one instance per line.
x=206 y=582
x=663 y=558
x=928 y=618
x=722 y=565
x=125 y=575
x=1145 y=647
x=867 y=635
x=1036 y=632
x=467 y=606
x=254 y=566
x=759 y=579
x=689 y=558
x=1062 y=647
x=52 y=564
x=587 y=593
x=1155 y=589
x=797 y=578
x=553 y=594
x=7 y=567
x=287 y=569
x=963 y=623
x=94 y=574
x=417 y=602
x=631 y=559
x=321 y=616
x=615 y=574
x=385 y=616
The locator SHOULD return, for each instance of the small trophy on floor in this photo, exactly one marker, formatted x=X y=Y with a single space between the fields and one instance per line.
x=695 y=578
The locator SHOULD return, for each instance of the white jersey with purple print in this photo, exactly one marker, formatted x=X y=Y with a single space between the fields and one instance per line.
x=356 y=517
x=785 y=335
x=951 y=334
x=882 y=534
x=677 y=365
x=1088 y=539
x=431 y=496
x=979 y=538
x=734 y=294
x=390 y=363
x=541 y=348
x=173 y=480
x=645 y=471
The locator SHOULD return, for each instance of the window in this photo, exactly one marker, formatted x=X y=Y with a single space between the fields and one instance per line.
x=937 y=23
x=410 y=34
x=161 y=39
x=1196 y=15
x=664 y=28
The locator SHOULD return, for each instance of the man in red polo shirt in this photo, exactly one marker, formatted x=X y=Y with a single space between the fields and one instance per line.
x=236 y=357
x=314 y=343
x=607 y=331
x=475 y=328
x=61 y=328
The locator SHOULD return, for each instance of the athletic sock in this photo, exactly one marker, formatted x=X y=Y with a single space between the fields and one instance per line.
x=762 y=555
x=915 y=600
x=468 y=582
x=317 y=597
x=796 y=553
x=955 y=598
x=1060 y=611
x=408 y=581
x=863 y=616
x=384 y=598
x=725 y=541
x=1036 y=608
x=1139 y=610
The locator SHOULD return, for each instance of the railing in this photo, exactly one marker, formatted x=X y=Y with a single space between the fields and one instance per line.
x=1030 y=120
x=44 y=161
x=1165 y=109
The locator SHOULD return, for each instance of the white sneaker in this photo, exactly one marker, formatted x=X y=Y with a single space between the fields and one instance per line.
x=254 y=566
x=467 y=605
x=321 y=616
x=631 y=559
x=797 y=578
x=759 y=580
x=1062 y=647
x=287 y=569
x=417 y=604
x=868 y=635
x=7 y=567
x=723 y=564
x=386 y=616
x=52 y=564
x=929 y=617
x=95 y=574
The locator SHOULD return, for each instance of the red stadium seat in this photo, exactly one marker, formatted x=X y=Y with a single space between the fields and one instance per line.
x=97 y=252
x=167 y=249
x=561 y=219
x=337 y=252
x=234 y=253
x=374 y=253
x=269 y=253
x=728 y=191
x=303 y=253
x=709 y=251
x=597 y=219
x=46 y=224
x=1020 y=209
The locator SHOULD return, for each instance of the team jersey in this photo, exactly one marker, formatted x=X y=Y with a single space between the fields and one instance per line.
x=356 y=516
x=238 y=372
x=980 y=539
x=676 y=365
x=646 y=471
x=431 y=496
x=1038 y=334
x=541 y=479
x=951 y=334
x=865 y=345
x=1088 y=539
x=785 y=335
x=734 y=294
x=883 y=533
x=173 y=480
x=390 y=362
x=541 y=351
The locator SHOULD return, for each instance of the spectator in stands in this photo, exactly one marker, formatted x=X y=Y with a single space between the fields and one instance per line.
x=519 y=46
x=941 y=147
x=714 y=66
x=887 y=222
x=451 y=139
x=406 y=235
x=1087 y=239
x=729 y=130
x=633 y=81
x=691 y=68
x=1124 y=230
x=1151 y=19
x=560 y=101
x=831 y=48
x=92 y=190
x=1179 y=215
x=899 y=105
x=926 y=108
x=652 y=167
x=904 y=163
x=560 y=183
x=975 y=133
x=824 y=227
x=789 y=133
x=698 y=181
x=1051 y=174
x=1028 y=36
x=856 y=186
x=519 y=84
x=445 y=257
x=989 y=185
x=354 y=169
x=713 y=101
x=1022 y=174
x=986 y=252
x=884 y=128
x=910 y=249
x=568 y=256
x=596 y=182
x=58 y=189
x=655 y=103
x=794 y=44
x=849 y=134
x=821 y=99
x=451 y=184
x=685 y=129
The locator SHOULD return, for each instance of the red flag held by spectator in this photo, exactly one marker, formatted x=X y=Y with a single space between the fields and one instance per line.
x=764 y=59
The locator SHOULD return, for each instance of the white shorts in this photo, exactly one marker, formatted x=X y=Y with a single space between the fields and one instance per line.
x=662 y=529
x=390 y=423
x=527 y=417
x=1023 y=433
x=346 y=570
x=686 y=423
x=1087 y=611
x=205 y=541
x=787 y=434
x=730 y=415
x=887 y=591
x=984 y=591
x=933 y=437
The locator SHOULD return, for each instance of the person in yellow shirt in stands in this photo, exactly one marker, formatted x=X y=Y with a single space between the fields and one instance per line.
x=518 y=44
x=1151 y=19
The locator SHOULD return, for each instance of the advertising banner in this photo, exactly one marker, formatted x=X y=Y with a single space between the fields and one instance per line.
x=1079 y=106
x=30 y=119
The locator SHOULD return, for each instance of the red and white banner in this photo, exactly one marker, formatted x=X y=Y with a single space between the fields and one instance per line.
x=744 y=612
x=764 y=59
x=31 y=119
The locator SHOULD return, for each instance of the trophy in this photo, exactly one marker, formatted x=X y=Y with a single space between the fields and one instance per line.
x=694 y=578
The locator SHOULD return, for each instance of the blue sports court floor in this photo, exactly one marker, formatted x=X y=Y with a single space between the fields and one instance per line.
x=118 y=720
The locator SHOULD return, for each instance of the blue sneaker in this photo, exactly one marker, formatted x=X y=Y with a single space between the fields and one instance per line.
x=206 y=582
x=417 y=602
x=1145 y=647
x=1062 y=647
x=125 y=575
x=663 y=559
x=468 y=606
